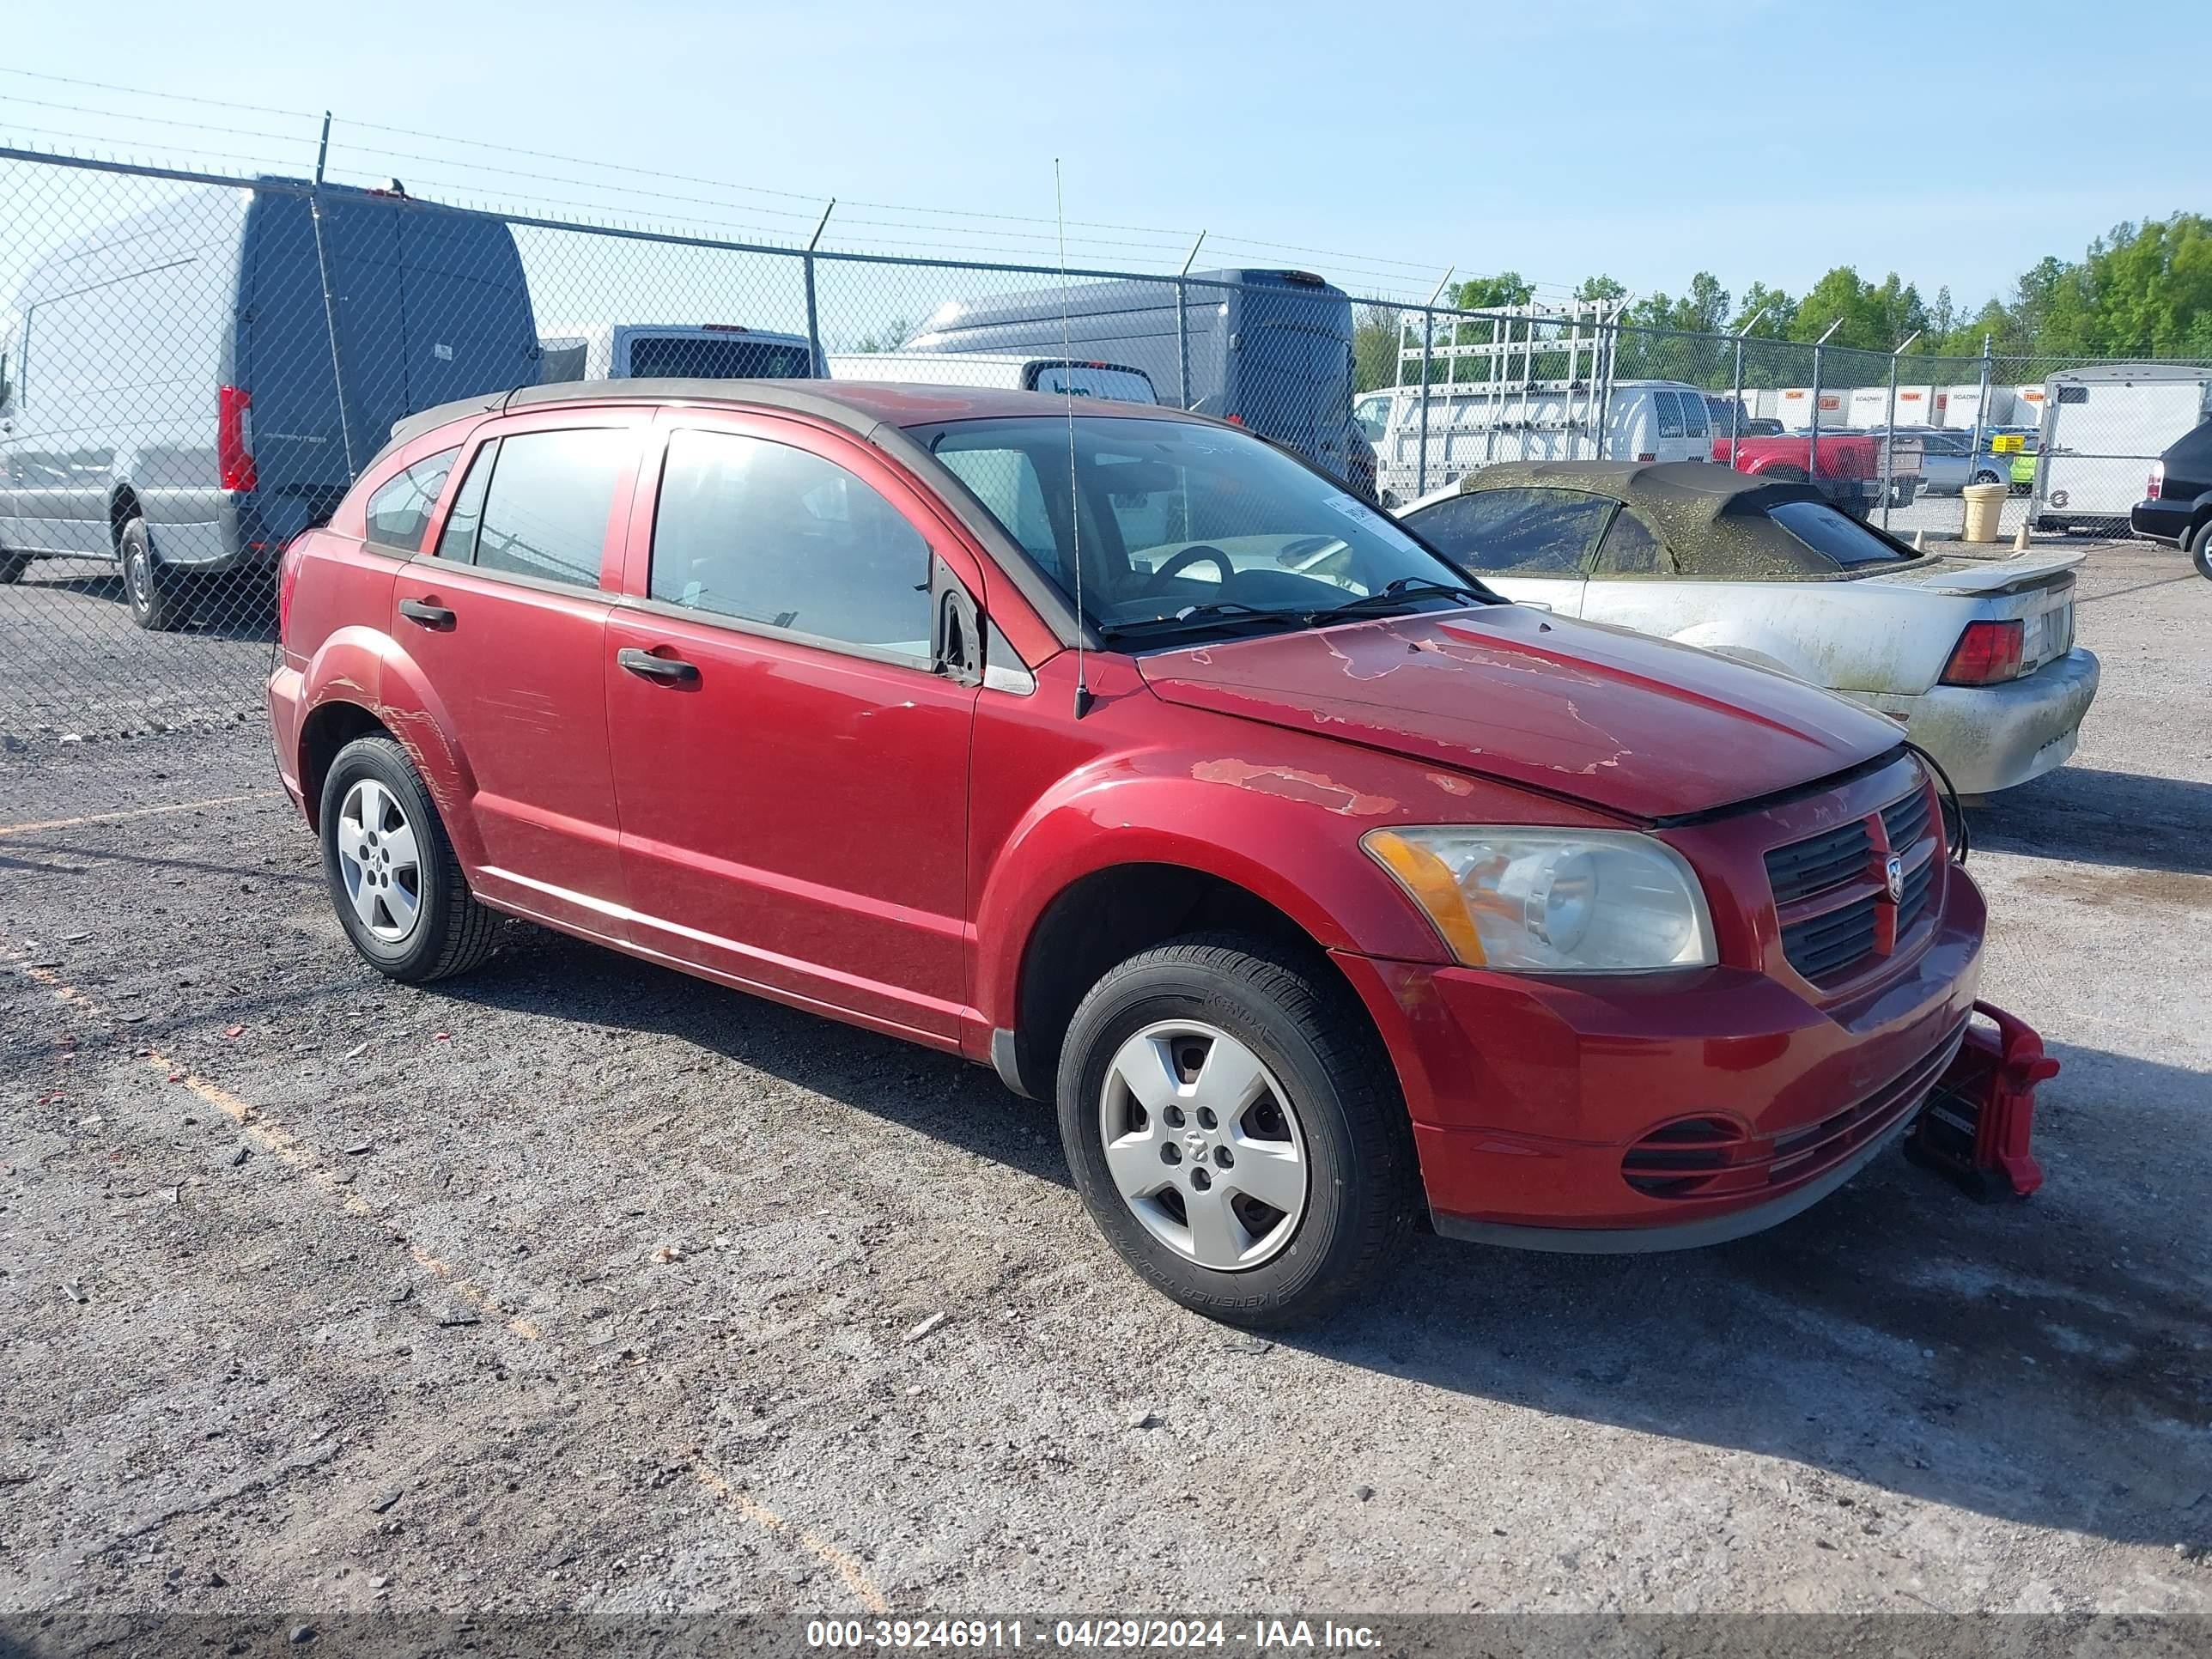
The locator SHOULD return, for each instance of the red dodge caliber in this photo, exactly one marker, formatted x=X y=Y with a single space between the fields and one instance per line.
x=1114 y=748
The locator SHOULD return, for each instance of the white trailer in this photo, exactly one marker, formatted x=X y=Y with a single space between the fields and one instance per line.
x=1964 y=401
x=2103 y=429
x=1917 y=405
x=1794 y=408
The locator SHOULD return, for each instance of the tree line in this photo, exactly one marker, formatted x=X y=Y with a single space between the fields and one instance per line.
x=2142 y=290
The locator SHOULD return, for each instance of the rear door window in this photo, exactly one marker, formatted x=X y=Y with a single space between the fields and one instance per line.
x=1694 y=414
x=718 y=357
x=1126 y=386
x=550 y=498
x=399 y=512
x=1668 y=408
x=1529 y=532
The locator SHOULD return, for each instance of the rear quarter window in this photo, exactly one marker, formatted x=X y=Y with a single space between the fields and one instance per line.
x=1841 y=540
x=399 y=512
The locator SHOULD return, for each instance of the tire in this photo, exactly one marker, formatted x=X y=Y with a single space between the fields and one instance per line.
x=1324 y=1106
x=1987 y=476
x=383 y=846
x=2200 y=549
x=157 y=597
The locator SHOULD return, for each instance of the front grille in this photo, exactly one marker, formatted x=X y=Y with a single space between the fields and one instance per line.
x=1915 y=897
x=1906 y=820
x=1825 y=945
x=1710 y=1158
x=1839 y=865
x=1806 y=867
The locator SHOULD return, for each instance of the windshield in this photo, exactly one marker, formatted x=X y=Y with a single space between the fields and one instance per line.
x=1186 y=528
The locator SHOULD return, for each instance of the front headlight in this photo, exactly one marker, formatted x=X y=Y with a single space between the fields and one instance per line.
x=1552 y=901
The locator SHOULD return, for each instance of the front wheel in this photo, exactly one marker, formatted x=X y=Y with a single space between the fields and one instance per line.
x=395 y=881
x=1234 y=1128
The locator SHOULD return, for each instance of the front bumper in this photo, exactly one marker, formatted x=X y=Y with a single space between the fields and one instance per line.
x=1528 y=1095
x=1990 y=738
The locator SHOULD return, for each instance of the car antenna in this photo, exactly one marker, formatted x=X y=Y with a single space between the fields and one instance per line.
x=1074 y=498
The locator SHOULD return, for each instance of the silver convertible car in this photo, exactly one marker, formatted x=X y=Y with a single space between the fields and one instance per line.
x=1974 y=657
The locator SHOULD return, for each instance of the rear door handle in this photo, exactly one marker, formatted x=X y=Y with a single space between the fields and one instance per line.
x=669 y=671
x=430 y=616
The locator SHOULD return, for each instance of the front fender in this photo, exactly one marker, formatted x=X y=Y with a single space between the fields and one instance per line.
x=1288 y=834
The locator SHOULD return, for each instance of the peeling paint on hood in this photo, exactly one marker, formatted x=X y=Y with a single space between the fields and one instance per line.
x=1635 y=724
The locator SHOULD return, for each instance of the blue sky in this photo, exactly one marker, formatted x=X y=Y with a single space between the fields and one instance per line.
x=1759 y=141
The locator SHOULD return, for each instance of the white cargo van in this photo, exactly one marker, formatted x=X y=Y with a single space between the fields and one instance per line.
x=2103 y=430
x=700 y=351
x=1473 y=426
x=1113 y=382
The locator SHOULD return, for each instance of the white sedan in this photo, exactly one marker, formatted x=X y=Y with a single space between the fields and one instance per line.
x=1974 y=657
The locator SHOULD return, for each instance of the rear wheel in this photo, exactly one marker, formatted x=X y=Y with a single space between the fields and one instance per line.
x=1234 y=1126
x=155 y=594
x=1987 y=476
x=2200 y=549
x=395 y=881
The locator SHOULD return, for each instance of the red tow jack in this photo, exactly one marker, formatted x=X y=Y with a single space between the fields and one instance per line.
x=1975 y=1127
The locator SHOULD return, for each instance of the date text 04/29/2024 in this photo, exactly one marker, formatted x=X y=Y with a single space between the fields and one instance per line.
x=1258 y=1635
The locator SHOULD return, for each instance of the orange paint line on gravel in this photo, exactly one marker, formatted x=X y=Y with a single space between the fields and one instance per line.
x=140 y=812
x=854 y=1575
x=281 y=1144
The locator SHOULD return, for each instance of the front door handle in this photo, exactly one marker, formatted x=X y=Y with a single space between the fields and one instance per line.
x=669 y=671
x=430 y=616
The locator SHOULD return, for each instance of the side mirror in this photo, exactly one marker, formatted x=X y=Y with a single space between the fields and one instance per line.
x=956 y=627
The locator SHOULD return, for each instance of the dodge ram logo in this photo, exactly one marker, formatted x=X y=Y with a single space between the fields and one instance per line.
x=1893 y=877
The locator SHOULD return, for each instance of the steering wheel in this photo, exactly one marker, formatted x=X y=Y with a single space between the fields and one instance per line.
x=1199 y=553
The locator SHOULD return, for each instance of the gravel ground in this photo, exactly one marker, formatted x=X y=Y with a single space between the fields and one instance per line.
x=579 y=1284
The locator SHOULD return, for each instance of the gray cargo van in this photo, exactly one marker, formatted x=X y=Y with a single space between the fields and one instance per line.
x=172 y=400
x=1271 y=349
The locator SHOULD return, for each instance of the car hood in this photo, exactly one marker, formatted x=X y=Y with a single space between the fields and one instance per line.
x=1634 y=724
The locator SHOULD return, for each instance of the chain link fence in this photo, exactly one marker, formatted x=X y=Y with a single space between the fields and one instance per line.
x=194 y=367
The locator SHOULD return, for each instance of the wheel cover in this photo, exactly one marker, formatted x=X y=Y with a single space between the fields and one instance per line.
x=1204 y=1145
x=138 y=576
x=380 y=862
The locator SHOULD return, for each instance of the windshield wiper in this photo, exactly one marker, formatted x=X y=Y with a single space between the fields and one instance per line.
x=1401 y=591
x=1213 y=611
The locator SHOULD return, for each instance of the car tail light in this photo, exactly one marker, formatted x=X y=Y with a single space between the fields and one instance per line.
x=287 y=578
x=1235 y=420
x=234 y=439
x=1647 y=456
x=1987 y=652
x=2157 y=480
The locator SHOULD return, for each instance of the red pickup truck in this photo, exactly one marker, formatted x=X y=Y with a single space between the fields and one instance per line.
x=1850 y=466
